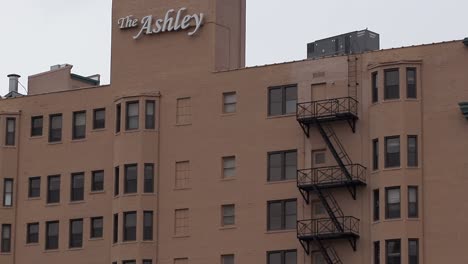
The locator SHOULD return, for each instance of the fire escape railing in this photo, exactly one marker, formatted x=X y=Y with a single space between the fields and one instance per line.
x=324 y=227
x=330 y=176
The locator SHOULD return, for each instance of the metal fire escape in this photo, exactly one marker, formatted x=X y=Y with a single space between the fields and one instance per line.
x=322 y=180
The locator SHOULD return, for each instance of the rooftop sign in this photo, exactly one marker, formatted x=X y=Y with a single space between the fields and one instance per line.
x=172 y=21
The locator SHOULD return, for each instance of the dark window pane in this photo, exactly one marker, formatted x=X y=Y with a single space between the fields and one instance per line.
x=393 y=203
x=115 y=231
x=392 y=84
x=412 y=201
x=34 y=187
x=52 y=235
x=97 y=183
x=148 y=225
x=149 y=178
x=10 y=131
x=290 y=165
x=79 y=125
x=227 y=259
x=375 y=154
x=282 y=215
x=412 y=151
x=6 y=238
x=150 y=115
x=291 y=99
x=275 y=210
x=275 y=102
x=275 y=169
x=275 y=258
x=116 y=181
x=376 y=205
x=228 y=215
x=132 y=116
x=290 y=257
x=55 y=128
x=118 y=117
x=375 y=89
x=290 y=215
x=282 y=165
x=96 y=227
x=99 y=118
x=377 y=252
x=129 y=226
x=77 y=187
x=411 y=89
x=53 y=189
x=36 y=126
x=130 y=185
x=413 y=251
x=392 y=152
x=393 y=252
x=147 y=261
x=8 y=192
x=76 y=233
x=32 y=233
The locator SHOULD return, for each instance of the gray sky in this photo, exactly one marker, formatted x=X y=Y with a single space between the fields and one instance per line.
x=39 y=33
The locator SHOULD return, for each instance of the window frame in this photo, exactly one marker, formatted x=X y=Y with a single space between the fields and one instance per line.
x=30 y=189
x=387 y=204
x=375 y=86
x=376 y=205
x=283 y=154
x=93 y=234
x=387 y=162
x=10 y=137
x=128 y=117
x=283 y=214
x=387 y=242
x=376 y=252
x=8 y=192
x=118 y=118
x=80 y=196
x=115 y=228
x=150 y=119
x=227 y=168
x=375 y=154
x=417 y=250
x=49 y=189
x=224 y=261
x=412 y=93
x=33 y=133
x=227 y=104
x=148 y=231
x=72 y=243
x=58 y=137
x=282 y=253
x=99 y=123
x=148 y=178
x=129 y=232
x=408 y=153
x=97 y=186
x=6 y=241
x=127 y=181
x=416 y=203
x=224 y=215
x=48 y=238
x=284 y=101
x=75 y=128
x=387 y=87
x=32 y=238
x=116 y=181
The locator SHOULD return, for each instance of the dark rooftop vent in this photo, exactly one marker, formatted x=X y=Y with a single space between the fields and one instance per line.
x=465 y=41
x=13 y=86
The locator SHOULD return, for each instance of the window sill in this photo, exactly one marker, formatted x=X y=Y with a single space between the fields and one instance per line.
x=33 y=198
x=31 y=244
x=6 y=254
x=76 y=202
x=75 y=249
x=123 y=243
x=228 y=114
x=232 y=178
x=36 y=137
x=7 y=207
x=413 y=168
x=182 y=125
x=55 y=143
x=52 y=204
x=95 y=130
x=181 y=236
x=391 y=100
x=148 y=242
x=281 y=116
x=149 y=194
x=9 y=147
x=231 y=227
x=182 y=189
x=392 y=168
x=279 y=182
x=392 y=220
x=280 y=231
x=96 y=239
x=51 y=250
x=129 y=194
x=131 y=131
x=414 y=219
x=97 y=192
x=78 y=140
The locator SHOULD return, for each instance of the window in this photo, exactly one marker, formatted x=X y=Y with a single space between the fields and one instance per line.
x=181 y=222
x=55 y=128
x=392 y=84
x=34 y=187
x=77 y=187
x=79 y=125
x=318 y=258
x=392 y=197
x=76 y=233
x=228 y=215
x=115 y=234
x=118 y=118
x=148 y=225
x=8 y=192
x=411 y=90
x=131 y=185
x=282 y=165
x=149 y=178
x=97 y=181
x=229 y=102
x=375 y=87
x=376 y=252
x=375 y=154
x=182 y=179
x=36 y=126
x=99 y=118
x=181 y=261
x=52 y=235
x=412 y=151
x=376 y=205
x=150 y=122
x=129 y=222
x=116 y=181
x=413 y=202
x=6 y=238
x=53 y=189
x=147 y=261
x=227 y=259
x=131 y=122
x=97 y=225
x=32 y=235
x=392 y=151
x=282 y=257
x=318 y=211
x=184 y=111
x=282 y=100
x=10 y=131
x=393 y=251
x=413 y=251
x=129 y=262
x=318 y=158
x=282 y=215
x=229 y=167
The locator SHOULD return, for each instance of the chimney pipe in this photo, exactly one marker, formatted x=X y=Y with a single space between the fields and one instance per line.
x=13 y=82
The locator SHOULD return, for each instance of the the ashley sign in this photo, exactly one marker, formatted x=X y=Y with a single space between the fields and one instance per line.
x=172 y=21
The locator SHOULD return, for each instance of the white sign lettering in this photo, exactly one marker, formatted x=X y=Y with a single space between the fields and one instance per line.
x=172 y=21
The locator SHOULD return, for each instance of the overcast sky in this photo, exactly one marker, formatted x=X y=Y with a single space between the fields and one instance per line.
x=36 y=34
